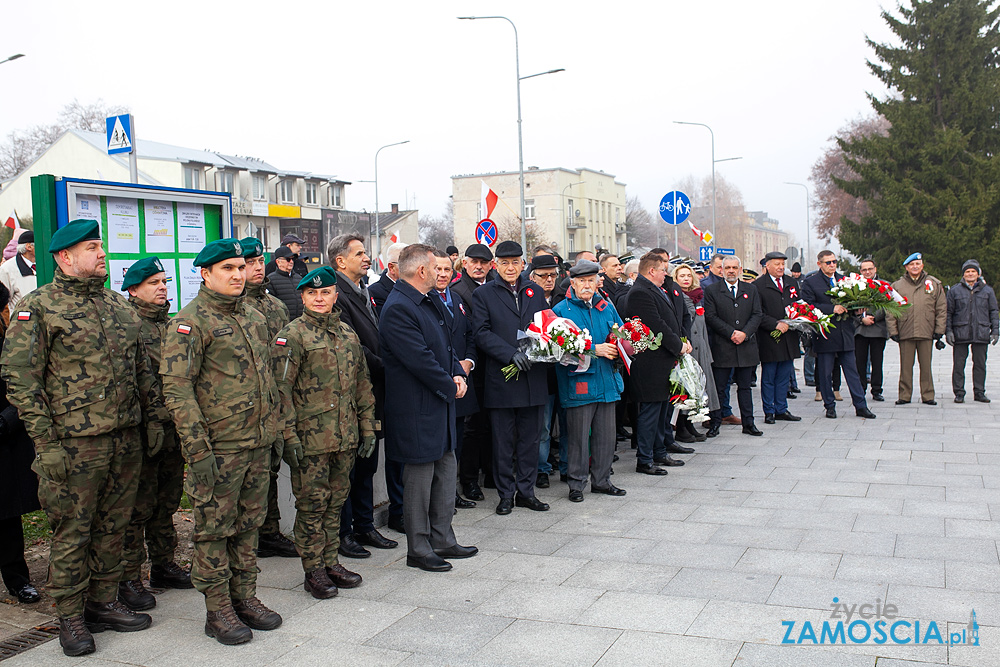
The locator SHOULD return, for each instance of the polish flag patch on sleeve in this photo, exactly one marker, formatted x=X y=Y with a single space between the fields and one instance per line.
x=281 y=341
x=184 y=329
x=24 y=315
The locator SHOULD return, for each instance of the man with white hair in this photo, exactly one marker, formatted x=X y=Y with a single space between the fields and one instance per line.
x=18 y=273
x=379 y=291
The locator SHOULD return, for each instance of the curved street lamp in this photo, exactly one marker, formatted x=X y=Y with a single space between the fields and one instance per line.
x=378 y=234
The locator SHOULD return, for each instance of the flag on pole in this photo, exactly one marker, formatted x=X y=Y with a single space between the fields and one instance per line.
x=705 y=237
x=489 y=201
x=381 y=262
x=12 y=222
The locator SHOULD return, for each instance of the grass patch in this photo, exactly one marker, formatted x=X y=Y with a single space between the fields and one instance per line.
x=36 y=527
x=185 y=502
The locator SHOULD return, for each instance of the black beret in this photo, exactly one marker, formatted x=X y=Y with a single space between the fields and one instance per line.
x=774 y=254
x=544 y=262
x=26 y=237
x=479 y=251
x=510 y=249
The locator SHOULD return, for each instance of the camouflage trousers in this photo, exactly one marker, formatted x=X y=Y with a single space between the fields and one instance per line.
x=320 y=485
x=161 y=483
x=227 y=517
x=270 y=526
x=88 y=515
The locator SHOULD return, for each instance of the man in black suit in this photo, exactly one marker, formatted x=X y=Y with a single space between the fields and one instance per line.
x=357 y=310
x=839 y=343
x=675 y=296
x=379 y=290
x=427 y=379
x=733 y=314
x=776 y=356
x=501 y=309
x=648 y=379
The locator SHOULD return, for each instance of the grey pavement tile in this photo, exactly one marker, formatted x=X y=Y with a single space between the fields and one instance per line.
x=815 y=451
x=990 y=459
x=946 y=548
x=542 y=543
x=721 y=585
x=872 y=476
x=986 y=654
x=843 y=463
x=188 y=604
x=528 y=567
x=848 y=542
x=969 y=458
x=352 y=619
x=914 y=446
x=764 y=485
x=320 y=652
x=758 y=536
x=745 y=516
x=377 y=583
x=780 y=460
x=879 y=454
x=283 y=573
x=863 y=505
x=682 y=554
x=767 y=655
x=905 y=491
x=784 y=561
x=645 y=648
x=747 y=621
x=190 y=646
x=831 y=488
x=520 y=519
x=640 y=611
x=974 y=469
x=897 y=662
x=706 y=497
x=814 y=474
x=949 y=481
x=611 y=576
x=972 y=528
x=440 y=633
x=685 y=481
x=710 y=460
x=620 y=549
x=932 y=604
x=769 y=500
x=539 y=602
x=592 y=524
x=978 y=577
x=738 y=471
x=667 y=509
x=900 y=525
x=809 y=519
x=526 y=642
x=970 y=495
x=681 y=531
x=814 y=593
x=911 y=571
x=445 y=592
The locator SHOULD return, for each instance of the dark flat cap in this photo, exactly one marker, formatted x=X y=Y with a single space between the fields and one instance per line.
x=139 y=271
x=544 y=262
x=584 y=267
x=774 y=254
x=75 y=232
x=284 y=252
x=26 y=237
x=479 y=251
x=291 y=238
x=510 y=249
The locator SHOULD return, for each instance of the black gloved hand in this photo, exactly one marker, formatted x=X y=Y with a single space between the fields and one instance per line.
x=9 y=420
x=939 y=344
x=950 y=338
x=895 y=339
x=937 y=336
x=521 y=360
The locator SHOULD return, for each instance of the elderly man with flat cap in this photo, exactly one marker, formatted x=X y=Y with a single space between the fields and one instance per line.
x=544 y=270
x=777 y=357
x=220 y=389
x=500 y=310
x=918 y=327
x=78 y=373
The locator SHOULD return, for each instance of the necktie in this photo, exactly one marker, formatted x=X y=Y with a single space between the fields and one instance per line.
x=732 y=288
x=443 y=297
x=780 y=288
x=33 y=269
x=832 y=283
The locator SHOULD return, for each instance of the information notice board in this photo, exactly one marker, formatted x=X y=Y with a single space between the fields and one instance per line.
x=136 y=221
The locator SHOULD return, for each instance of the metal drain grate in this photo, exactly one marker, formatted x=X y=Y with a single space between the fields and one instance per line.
x=28 y=639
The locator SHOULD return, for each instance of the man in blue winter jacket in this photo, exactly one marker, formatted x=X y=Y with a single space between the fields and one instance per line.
x=590 y=395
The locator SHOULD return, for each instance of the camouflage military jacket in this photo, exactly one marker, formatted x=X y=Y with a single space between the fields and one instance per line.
x=153 y=321
x=326 y=394
x=75 y=363
x=271 y=307
x=217 y=378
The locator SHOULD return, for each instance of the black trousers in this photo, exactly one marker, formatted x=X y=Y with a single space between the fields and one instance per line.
x=960 y=353
x=824 y=373
x=515 y=449
x=358 y=513
x=742 y=376
x=13 y=568
x=873 y=349
x=477 y=447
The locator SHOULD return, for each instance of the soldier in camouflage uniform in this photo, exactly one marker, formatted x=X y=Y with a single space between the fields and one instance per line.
x=162 y=479
x=271 y=542
x=326 y=398
x=218 y=384
x=77 y=371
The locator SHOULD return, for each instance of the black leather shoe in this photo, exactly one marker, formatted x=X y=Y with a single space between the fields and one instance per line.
x=275 y=544
x=791 y=394
x=457 y=551
x=712 y=431
x=649 y=469
x=831 y=413
x=900 y=401
x=463 y=504
x=376 y=539
x=930 y=402
x=769 y=418
x=472 y=491
x=542 y=481
x=431 y=563
x=349 y=548
x=342 y=577
x=532 y=503
x=505 y=506
x=395 y=522
x=982 y=398
x=752 y=430
x=787 y=417
x=169 y=575
x=622 y=434
x=255 y=615
x=135 y=595
x=865 y=412
x=878 y=398
x=960 y=399
x=575 y=496
x=27 y=594
x=114 y=616
x=611 y=490
x=669 y=462
x=677 y=449
x=796 y=390
x=74 y=637
x=614 y=459
x=317 y=584
x=683 y=436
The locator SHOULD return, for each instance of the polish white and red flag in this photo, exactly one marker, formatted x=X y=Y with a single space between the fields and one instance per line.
x=12 y=222
x=489 y=202
x=381 y=262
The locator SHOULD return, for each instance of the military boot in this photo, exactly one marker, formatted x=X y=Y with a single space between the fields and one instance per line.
x=101 y=616
x=169 y=575
x=343 y=577
x=276 y=545
x=74 y=637
x=226 y=627
x=318 y=584
x=253 y=612
x=135 y=595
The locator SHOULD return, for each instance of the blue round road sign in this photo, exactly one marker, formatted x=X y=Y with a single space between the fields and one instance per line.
x=675 y=207
x=486 y=232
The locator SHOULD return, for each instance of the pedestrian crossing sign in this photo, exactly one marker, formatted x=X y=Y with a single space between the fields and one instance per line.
x=119 y=132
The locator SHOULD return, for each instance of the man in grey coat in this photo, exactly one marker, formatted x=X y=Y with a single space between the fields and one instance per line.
x=870 y=334
x=972 y=321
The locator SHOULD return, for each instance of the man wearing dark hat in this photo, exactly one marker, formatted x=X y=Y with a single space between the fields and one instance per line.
x=271 y=542
x=219 y=386
x=972 y=322
x=78 y=373
x=501 y=309
x=544 y=270
x=452 y=252
x=294 y=245
x=284 y=278
x=918 y=327
x=19 y=275
x=328 y=418
x=777 y=357
x=796 y=271
x=161 y=481
x=477 y=440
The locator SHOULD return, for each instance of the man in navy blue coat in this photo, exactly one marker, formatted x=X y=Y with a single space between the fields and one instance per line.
x=501 y=309
x=420 y=433
x=839 y=343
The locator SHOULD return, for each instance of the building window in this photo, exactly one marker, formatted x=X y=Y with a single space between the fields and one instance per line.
x=311 y=193
x=569 y=209
x=287 y=190
x=336 y=193
x=224 y=181
x=529 y=209
x=618 y=216
x=192 y=178
x=259 y=186
x=572 y=244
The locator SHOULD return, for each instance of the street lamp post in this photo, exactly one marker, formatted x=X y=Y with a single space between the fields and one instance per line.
x=808 y=227
x=378 y=233
x=681 y=122
x=520 y=146
x=13 y=57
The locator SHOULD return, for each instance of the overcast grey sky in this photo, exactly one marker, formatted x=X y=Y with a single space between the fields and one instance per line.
x=319 y=86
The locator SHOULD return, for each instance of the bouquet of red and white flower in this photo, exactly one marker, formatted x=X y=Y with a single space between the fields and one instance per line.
x=631 y=339
x=553 y=339
x=856 y=292
x=804 y=318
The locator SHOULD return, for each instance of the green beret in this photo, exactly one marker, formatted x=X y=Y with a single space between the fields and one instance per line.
x=141 y=270
x=252 y=247
x=324 y=276
x=73 y=233
x=216 y=251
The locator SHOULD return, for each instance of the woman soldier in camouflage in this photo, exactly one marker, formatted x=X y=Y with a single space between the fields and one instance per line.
x=326 y=397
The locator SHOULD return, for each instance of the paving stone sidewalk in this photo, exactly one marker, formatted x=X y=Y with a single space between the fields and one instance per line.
x=697 y=568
